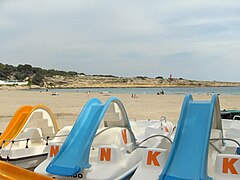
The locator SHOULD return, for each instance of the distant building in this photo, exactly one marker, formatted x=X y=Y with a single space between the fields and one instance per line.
x=14 y=82
x=2 y=82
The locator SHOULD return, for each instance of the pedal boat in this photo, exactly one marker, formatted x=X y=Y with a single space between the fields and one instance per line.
x=114 y=151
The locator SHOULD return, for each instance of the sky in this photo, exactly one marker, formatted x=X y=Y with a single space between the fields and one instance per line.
x=192 y=39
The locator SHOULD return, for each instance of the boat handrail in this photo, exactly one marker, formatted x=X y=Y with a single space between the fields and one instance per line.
x=226 y=139
x=129 y=130
x=27 y=140
x=153 y=136
x=223 y=139
x=24 y=139
x=235 y=117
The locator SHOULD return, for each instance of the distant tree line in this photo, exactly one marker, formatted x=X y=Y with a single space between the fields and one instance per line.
x=34 y=75
x=106 y=75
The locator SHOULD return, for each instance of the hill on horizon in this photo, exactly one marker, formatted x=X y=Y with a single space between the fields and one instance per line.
x=34 y=75
x=51 y=78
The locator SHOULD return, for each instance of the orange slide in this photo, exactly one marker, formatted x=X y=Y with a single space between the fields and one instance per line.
x=19 y=120
x=11 y=172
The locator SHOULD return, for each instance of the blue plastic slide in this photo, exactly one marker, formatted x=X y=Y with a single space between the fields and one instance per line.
x=73 y=157
x=188 y=157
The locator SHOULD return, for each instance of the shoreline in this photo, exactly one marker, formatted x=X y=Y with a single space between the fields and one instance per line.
x=107 y=87
x=152 y=90
x=128 y=87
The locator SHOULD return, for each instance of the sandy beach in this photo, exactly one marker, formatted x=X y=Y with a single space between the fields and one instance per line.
x=67 y=105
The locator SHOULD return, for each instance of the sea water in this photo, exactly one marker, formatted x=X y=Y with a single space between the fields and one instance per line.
x=195 y=90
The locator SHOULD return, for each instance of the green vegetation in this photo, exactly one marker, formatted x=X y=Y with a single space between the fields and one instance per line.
x=101 y=75
x=141 y=77
x=159 y=77
x=34 y=75
x=38 y=79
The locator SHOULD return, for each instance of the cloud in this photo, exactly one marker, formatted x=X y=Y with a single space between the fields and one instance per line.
x=127 y=38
